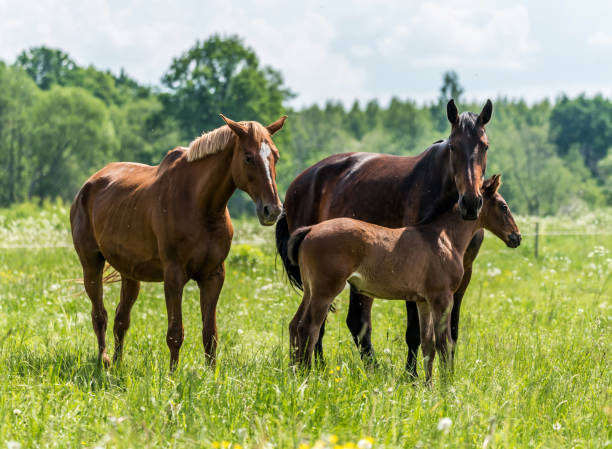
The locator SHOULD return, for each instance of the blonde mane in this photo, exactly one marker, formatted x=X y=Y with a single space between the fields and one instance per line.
x=217 y=140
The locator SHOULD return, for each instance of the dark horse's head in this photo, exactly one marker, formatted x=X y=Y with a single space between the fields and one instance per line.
x=468 y=144
x=254 y=166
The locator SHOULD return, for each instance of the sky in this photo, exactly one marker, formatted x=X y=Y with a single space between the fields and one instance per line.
x=342 y=50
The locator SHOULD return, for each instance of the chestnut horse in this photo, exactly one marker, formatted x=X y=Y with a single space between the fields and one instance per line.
x=423 y=264
x=170 y=223
x=393 y=191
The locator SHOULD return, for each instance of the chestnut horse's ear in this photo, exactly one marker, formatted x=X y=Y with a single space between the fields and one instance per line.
x=238 y=129
x=274 y=127
x=492 y=185
x=485 y=115
x=451 y=112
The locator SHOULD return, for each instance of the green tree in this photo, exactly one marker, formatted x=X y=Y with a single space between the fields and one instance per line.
x=585 y=123
x=18 y=94
x=72 y=136
x=46 y=66
x=221 y=75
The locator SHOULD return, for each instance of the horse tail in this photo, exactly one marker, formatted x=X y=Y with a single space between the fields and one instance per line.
x=282 y=240
x=295 y=241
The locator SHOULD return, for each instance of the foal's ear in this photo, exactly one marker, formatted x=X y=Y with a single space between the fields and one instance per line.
x=451 y=112
x=238 y=129
x=277 y=125
x=485 y=115
x=491 y=185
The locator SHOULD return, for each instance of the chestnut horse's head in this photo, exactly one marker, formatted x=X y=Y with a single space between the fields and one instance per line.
x=496 y=216
x=468 y=144
x=254 y=166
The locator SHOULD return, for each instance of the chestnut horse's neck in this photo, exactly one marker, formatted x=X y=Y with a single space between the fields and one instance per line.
x=210 y=181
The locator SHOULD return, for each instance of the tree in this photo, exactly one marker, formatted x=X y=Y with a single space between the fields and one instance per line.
x=585 y=123
x=17 y=95
x=72 y=136
x=46 y=66
x=450 y=89
x=221 y=75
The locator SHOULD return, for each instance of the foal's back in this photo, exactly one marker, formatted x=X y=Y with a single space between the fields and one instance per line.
x=383 y=262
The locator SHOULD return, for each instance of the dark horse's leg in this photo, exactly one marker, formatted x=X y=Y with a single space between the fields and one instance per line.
x=359 y=322
x=468 y=259
x=413 y=337
x=318 y=350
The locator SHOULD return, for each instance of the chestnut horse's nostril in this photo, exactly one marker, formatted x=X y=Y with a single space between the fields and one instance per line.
x=479 y=201
x=266 y=211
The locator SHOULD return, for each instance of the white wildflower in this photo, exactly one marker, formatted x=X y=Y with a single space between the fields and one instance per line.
x=365 y=443
x=444 y=425
x=557 y=426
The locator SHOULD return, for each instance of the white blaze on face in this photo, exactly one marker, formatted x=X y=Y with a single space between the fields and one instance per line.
x=264 y=153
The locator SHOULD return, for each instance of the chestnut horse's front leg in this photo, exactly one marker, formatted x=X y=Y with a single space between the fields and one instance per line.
x=174 y=281
x=210 y=288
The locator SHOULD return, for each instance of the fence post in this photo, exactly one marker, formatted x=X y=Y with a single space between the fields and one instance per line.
x=537 y=238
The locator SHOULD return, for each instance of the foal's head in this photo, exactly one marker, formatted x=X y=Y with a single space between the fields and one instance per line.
x=254 y=166
x=468 y=144
x=495 y=215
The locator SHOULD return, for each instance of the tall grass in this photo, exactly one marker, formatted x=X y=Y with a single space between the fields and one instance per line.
x=533 y=362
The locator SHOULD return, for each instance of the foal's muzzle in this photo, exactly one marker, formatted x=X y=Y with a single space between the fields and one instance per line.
x=268 y=213
x=514 y=240
x=470 y=206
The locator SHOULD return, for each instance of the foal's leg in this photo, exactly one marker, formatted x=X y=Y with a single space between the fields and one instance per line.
x=441 y=307
x=427 y=338
x=210 y=288
x=359 y=322
x=413 y=337
x=468 y=258
x=294 y=335
x=129 y=293
x=174 y=282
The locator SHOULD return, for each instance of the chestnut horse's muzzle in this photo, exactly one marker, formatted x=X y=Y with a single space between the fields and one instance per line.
x=514 y=240
x=268 y=213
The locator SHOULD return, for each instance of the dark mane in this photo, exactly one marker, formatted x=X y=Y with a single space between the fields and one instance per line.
x=468 y=121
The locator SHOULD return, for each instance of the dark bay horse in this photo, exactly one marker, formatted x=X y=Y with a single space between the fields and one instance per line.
x=393 y=191
x=170 y=223
x=422 y=263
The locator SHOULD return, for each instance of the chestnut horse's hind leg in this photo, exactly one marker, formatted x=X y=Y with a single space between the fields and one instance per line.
x=359 y=322
x=174 y=281
x=210 y=288
x=427 y=338
x=296 y=347
x=93 y=266
x=440 y=315
x=129 y=293
x=413 y=337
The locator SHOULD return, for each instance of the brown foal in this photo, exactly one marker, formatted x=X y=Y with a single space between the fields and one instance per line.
x=170 y=223
x=422 y=263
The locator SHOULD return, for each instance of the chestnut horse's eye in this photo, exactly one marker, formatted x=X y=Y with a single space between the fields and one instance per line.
x=503 y=207
x=249 y=159
x=486 y=147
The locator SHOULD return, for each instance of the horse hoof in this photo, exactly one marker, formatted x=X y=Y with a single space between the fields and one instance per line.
x=106 y=361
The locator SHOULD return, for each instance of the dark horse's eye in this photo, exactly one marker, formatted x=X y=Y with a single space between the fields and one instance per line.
x=503 y=207
x=486 y=147
x=249 y=159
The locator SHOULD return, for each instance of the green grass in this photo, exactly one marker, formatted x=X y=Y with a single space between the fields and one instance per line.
x=533 y=366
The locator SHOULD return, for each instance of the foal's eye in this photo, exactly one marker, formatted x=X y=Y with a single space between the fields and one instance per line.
x=486 y=147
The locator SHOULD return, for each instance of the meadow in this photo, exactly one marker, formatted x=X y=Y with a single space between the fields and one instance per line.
x=533 y=365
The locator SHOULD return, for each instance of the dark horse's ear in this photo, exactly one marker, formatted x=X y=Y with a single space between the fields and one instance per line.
x=238 y=129
x=485 y=115
x=274 y=127
x=491 y=185
x=451 y=112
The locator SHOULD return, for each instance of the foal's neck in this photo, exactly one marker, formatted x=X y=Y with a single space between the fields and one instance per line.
x=460 y=231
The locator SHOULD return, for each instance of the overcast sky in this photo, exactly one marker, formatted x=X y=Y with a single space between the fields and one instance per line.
x=341 y=49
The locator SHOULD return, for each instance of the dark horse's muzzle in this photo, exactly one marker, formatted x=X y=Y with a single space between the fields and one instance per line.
x=470 y=206
x=268 y=213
